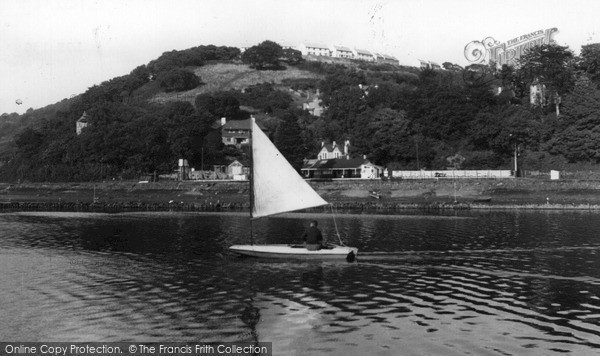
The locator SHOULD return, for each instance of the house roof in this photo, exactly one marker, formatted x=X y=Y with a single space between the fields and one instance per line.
x=330 y=147
x=341 y=48
x=237 y=124
x=315 y=45
x=236 y=163
x=364 y=52
x=335 y=163
x=84 y=117
x=240 y=125
x=228 y=161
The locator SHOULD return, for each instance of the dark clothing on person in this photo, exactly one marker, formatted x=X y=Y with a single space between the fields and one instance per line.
x=313 y=238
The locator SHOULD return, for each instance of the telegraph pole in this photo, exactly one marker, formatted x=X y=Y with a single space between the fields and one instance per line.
x=516 y=159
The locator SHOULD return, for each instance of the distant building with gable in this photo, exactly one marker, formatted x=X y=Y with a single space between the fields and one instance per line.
x=363 y=55
x=341 y=52
x=237 y=132
x=537 y=93
x=389 y=59
x=316 y=49
x=333 y=161
x=82 y=123
x=430 y=65
x=338 y=51
x=360 y=168
x=313 y=106
x=333 y=150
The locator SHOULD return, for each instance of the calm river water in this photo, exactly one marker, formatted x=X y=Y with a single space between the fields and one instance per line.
x=493 y=283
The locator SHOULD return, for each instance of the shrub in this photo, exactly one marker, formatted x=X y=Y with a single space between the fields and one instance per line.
x=178 y=80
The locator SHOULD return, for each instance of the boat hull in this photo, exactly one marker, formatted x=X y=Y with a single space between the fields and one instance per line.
x=296 y=252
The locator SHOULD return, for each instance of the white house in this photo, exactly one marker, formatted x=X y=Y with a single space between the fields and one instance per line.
x=333 y=161
x=314 y=106
x=341 y=168
x=315 y=49
x=341 y=52
x=430 y=65
x=363 y=55
x=390 y=59
x=235 y=167
x=82 y=123
x=333 y=150
x=537 y=93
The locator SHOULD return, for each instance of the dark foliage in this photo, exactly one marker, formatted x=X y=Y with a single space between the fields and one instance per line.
x=218 y=105
x=399 y=117
x=195 y=56
x=178 y=80
x=288 y=139
x=266 y=98
x=265 y=55
x=291 y=56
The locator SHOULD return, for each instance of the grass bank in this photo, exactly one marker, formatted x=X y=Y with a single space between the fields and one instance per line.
x=481 y=194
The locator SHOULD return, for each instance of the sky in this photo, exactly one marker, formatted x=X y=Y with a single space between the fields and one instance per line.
x=53 y=49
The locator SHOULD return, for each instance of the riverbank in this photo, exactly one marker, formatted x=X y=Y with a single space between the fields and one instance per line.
x=376 y=194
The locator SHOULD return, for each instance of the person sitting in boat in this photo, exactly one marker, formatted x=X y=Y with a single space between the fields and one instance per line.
x=312 y=237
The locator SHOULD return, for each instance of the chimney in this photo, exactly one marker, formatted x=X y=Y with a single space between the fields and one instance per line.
x=322 y=143
x=333 y=145
x=223 y=121
x=346 y=145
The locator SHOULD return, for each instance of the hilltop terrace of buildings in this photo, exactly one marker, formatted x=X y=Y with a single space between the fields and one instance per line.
x=321 y=50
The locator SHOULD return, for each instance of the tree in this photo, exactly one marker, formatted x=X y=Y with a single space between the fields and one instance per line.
x=446 y=113
x=178 y=80
x=551 y=66
x=265 y=55
x=391 y=137
x=266 y=98
x=451 y=66
x=29 y=141
x=499 y=129
x=195 y=56
x=345 y=105
x=221 y=104
x=292 y=56
x=288 y=139
x=387 y=94
x=577 y=137
x=340 y=79
x=589 y=61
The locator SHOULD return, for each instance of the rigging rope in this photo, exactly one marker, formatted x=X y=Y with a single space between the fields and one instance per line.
x=337 y=232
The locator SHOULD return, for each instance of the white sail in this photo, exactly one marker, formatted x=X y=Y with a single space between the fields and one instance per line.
x=277 y=186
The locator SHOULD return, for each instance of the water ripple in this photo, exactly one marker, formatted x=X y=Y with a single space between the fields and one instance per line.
x=506 y=283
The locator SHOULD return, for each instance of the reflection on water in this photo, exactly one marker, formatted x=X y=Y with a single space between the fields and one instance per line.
x=481 y=283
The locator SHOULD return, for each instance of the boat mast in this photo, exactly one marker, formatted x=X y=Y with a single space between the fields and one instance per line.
x=251 y=179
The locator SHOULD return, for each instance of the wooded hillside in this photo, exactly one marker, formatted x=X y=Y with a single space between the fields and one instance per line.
x=472 y=118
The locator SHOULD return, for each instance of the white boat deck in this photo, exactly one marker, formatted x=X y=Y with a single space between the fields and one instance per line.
x=295 y=251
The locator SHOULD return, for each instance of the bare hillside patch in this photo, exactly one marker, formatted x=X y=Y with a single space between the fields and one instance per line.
x=229 y=76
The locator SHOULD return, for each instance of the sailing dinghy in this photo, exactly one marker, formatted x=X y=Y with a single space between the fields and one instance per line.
x=275 y=188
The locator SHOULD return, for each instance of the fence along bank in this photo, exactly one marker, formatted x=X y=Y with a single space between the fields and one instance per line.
x=451 y=174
